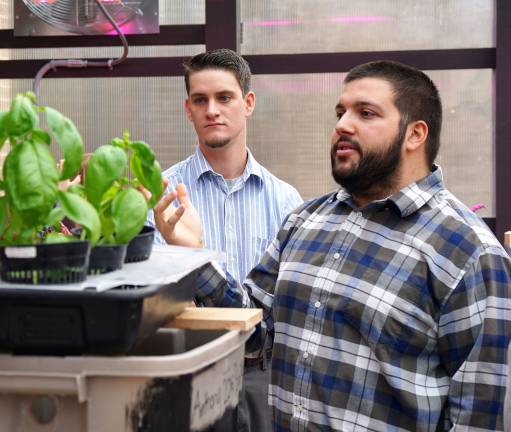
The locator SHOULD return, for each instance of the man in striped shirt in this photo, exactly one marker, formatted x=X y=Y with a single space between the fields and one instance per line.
x=240 y=202
x=388 y=300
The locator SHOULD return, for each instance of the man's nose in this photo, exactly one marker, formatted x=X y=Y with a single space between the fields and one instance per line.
x=212 y=108
x=344 y=124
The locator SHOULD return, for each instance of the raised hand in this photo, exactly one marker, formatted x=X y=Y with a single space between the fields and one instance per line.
x=180 y=226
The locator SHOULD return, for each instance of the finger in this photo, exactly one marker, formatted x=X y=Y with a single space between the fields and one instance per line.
x=76 y=180
x=173 y=218
x=165 y=182
x=183 y=196
x=145 y=192
x=164 y=203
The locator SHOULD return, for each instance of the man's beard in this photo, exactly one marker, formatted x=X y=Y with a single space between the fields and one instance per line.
x=217 y=143
x=376 y=172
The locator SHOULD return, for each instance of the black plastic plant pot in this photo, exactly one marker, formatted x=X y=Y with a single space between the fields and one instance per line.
x=46 y=263
x=140 y=247
x=106 y=258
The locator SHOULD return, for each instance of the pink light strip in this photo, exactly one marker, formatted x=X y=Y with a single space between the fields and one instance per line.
x=357 y=19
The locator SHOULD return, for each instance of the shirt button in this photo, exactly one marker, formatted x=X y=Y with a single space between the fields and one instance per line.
x=337 y=255
x=305 y=355
x=317 y=304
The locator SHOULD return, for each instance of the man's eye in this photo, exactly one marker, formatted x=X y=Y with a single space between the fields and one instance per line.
x=366 y=114
x=339 y=114
x=199 y=100
x=224 y=98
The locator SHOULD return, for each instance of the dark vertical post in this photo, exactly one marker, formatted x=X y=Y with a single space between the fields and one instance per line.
x=223 y=24
x=503 y=118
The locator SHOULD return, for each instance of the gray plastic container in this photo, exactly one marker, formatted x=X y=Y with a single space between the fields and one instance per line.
x=176 y=380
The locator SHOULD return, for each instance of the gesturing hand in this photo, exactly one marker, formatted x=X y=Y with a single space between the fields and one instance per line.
x=180 y=226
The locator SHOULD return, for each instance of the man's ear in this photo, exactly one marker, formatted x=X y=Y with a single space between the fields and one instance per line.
x=416 y=135
x=250 y=100
x=187 y=109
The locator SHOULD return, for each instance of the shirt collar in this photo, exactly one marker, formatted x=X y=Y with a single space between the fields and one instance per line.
x=409 y=199
x=201 y=166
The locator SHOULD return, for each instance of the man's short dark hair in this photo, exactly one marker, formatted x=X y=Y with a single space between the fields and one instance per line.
x=224 y=59
x=415 y=96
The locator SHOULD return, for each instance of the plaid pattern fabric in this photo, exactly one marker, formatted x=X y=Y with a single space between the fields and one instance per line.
x=241 y=221
x=394 y=317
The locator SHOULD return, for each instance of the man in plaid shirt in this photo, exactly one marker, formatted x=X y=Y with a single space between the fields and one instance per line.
x=389 y=300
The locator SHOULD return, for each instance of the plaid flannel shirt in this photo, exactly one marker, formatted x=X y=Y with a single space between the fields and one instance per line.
x=393 y=317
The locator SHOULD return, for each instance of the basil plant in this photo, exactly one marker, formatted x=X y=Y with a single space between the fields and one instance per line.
x=30 y=199
x=115 y=176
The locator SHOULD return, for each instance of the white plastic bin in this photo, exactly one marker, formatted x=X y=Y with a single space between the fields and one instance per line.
x=178 y=380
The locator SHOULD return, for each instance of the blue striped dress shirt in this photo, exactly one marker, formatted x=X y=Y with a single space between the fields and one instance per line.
x=394 y=317
x=241 y=221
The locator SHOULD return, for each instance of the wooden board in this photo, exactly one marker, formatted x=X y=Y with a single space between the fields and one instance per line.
x=213 y=318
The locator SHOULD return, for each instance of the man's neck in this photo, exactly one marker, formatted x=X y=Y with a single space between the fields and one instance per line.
x=406 y=175
x=229 y=161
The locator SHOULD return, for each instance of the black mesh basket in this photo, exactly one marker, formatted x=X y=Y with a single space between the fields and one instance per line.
x=47 y=263
x=106 y=258
x=140 y=247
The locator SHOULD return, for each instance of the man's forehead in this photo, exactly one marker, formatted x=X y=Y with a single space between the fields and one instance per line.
x=213 y=79
x=367 y=90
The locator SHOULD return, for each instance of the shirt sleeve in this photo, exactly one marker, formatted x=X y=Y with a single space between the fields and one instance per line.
x=292 y=202
x=216 y=288
x=474 y=333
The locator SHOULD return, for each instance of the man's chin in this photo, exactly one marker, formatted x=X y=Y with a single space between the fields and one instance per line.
x=216 y=143
x=344 y=169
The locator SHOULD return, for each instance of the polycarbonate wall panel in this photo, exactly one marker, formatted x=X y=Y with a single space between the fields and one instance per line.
x=6 y=14
x=310 y=26
x=182 y=12
x=291 y=127
x=151 y=108
x=171 y=12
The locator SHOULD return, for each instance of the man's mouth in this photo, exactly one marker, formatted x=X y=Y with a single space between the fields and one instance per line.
x=213 y=125
x=345 y=148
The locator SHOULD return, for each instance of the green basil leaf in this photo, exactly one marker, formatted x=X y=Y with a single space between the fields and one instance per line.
x=22 y=116
x=39 y=135
x=28 y=236
x=58 y=237
x=3 y=129
x=150 y=177
x=55 y=216
x=107 y=227
x=4 y=214
x=31 y=179
x=77 y=189
x=105 y=166
x=118 y=142
x=129 y=212
x=81 y=212
x=69 y=140
x=143 y=152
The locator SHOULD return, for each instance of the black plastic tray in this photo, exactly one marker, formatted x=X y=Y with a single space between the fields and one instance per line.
x=42 y=321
